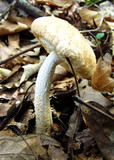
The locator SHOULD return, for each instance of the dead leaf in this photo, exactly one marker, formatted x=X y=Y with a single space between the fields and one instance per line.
x=16 y=128
x=104 y=121
x=31 y=69
x=35 y=52
x=101 y=79
x=101 y=126
x=23 y=20
x=86 y=139
x=107 y=8
x=13 y=148
x=56 y=153
x=60 y=3
x=13 y=41
x=15 y=94
x=23 y=123
x=104 y=143
x=5 y=52
x=6 y=95
x=8 y=28
x=46 y=141
x=72 y=126
x=92 y=17
x=92 y=157
x=11 y=112
x=4 y=73
x=4 y=108
x=64 y=85
x=13 y=80
x=89 y=94
x=60 y=73
x=112 y=63
x=27 y=116
x=3 y=6
x=112 y=41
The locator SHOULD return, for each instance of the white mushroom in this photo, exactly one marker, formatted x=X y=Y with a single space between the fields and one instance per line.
x=61 y=40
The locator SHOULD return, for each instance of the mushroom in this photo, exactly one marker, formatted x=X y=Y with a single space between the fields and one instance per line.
x=61 y=40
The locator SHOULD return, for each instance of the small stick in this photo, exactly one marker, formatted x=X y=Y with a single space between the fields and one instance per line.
x=20 y=53
x=96 y=29
x=79 y=100
x=29 y=8
x=18 y=133
x=78 y=114
x=68 y=60
x=7 y=11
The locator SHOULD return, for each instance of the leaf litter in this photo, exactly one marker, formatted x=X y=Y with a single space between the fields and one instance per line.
x=92 y=138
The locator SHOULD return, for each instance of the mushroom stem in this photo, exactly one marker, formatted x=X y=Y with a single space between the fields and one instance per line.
x=42 y=90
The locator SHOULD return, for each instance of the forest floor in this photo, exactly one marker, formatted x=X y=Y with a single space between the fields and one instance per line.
x=83 y=128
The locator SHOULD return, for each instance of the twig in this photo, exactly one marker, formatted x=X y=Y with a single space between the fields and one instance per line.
x=79 y=100
x=78 y=114
x=20 y=53
x=18 y=133
x=57 y=115
x=68 y=60
x=7 y=11
x=29 y=8
x=96 y=29
x=27 y=91
x=39 y=156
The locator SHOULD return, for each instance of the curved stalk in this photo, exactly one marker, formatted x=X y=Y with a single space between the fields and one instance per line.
x=42 y=90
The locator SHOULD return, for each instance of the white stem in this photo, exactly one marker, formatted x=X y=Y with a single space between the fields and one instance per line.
x=42 y=90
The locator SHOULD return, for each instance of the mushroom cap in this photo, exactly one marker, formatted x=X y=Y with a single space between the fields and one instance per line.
x=60 y=36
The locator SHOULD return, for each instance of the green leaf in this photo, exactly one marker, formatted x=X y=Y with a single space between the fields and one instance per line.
x=100 y=35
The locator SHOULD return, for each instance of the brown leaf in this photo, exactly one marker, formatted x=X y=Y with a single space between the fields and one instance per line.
x=4 y=73
x=92 y=157
x=104 y=143
x=91 y=16
x=12 y=81
x=112 y=63
x=24 y=20
x=64 y=85
x=4 y=108
x=5 y=52
x=56 y=2
x=60 y=73
x=89 y=94
x=13 y=148
x=86 y=139
x=46 y=141
x=31 y=69
x=56 y=153
x=23 y=124
x=11 y=112
x=13 y=40
x=72 y=123
x=101 y=79
x=8 y=28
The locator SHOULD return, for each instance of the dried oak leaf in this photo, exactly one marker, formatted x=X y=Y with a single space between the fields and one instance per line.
x=56 y=153
x=60 y=3
x=93 y=17
x=14 y=148
x=104 y=143
x=13 y=41
x=5 y=52
x=101 y=79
